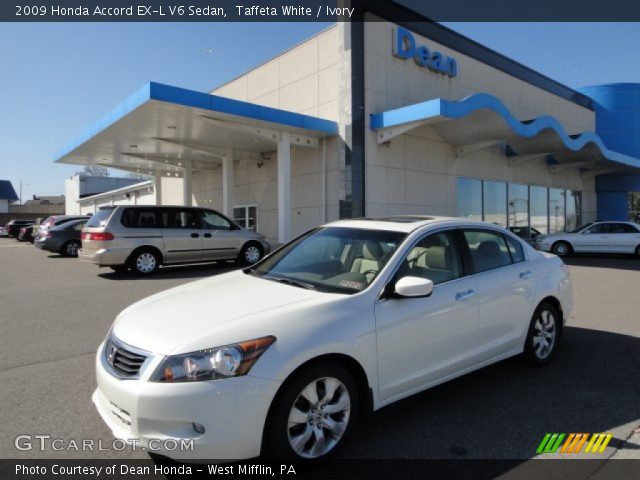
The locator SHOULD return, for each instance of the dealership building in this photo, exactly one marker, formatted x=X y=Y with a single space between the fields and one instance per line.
x=376 y=119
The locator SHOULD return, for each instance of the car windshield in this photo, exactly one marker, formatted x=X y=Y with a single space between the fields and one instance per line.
x=581 y=227
x=331 y=259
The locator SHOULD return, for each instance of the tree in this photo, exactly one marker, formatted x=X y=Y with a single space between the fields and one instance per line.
x=95 y=171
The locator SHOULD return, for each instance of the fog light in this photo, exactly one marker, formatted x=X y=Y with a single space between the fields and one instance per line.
x=198 y=428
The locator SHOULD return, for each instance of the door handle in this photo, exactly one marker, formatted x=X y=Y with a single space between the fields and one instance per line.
x=195 y=235
x=207 y=235
x=462 y=296
x=526 y=274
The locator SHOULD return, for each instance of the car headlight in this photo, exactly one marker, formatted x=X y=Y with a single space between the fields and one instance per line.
x=221 y=362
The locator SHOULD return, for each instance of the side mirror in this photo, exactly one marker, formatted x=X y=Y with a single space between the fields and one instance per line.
x=413 y=287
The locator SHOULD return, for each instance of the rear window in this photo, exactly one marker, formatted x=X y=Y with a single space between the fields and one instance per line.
x=99 y=219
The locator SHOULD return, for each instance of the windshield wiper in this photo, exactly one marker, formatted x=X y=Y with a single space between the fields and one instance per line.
x=289 y=281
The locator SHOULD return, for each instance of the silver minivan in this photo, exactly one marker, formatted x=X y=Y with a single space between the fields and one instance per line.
x=142 y=238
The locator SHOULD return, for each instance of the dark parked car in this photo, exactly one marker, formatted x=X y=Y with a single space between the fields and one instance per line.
x=63 y=239
x=54 y=221
x=26 y=234
x=14 y=226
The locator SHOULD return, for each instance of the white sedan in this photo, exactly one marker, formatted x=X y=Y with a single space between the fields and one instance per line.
x=281 y=358
x=595 y=237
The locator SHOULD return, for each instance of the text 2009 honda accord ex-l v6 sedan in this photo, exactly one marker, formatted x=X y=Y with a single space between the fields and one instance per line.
x=281 y=358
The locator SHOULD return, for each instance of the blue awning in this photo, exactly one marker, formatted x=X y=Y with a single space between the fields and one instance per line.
x=484 y=120
x=160 y=126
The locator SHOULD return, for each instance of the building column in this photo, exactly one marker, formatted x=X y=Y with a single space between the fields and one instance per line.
x=157 y=187
x=227 y=182
x=284 y=188
x=187 y=187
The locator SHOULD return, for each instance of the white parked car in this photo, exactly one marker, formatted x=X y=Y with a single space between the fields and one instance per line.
x=595 y=237
x=281 y=358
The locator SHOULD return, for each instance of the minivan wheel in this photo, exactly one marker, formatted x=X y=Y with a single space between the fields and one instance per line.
x=144 y=262
x=312 y=415
x=250 y=253
x=543 y=335
x=70 y=249
x=561 y=249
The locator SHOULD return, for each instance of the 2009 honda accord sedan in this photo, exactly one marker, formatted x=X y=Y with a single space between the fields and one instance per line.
x=281 y=358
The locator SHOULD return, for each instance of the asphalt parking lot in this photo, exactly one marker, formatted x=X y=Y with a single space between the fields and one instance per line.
x=55 y=311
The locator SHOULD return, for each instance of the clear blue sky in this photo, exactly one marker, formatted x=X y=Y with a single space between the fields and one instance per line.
x=57 y=79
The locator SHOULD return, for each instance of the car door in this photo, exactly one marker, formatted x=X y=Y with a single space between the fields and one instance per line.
x=181 y=234
x=625 y=238
x=596 y=238
x=425 y=340
x=506 y=291
x=220 y=240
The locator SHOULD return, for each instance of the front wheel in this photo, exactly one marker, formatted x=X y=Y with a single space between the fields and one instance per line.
x=543 y=335
x=313 y=414
x=561 y=249
x=251 y=253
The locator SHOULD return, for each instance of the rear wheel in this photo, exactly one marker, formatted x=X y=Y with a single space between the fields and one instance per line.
x=70 y=249
x=312 y=414
x=544 y=332
x=561 y=248
x=251 y=252
x=144 y=262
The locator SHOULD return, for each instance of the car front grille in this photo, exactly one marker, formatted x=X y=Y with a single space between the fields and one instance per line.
x=123 y=360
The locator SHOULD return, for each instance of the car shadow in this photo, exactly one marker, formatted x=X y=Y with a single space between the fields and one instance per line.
x=190 y=271
x=614 y=261
x=503 y=411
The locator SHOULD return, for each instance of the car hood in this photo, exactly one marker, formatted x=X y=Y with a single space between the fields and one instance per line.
x=228 y=307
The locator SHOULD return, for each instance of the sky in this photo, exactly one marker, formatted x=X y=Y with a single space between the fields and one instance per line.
x=57 y=79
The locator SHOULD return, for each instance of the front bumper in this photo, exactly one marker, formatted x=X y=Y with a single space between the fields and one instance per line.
x=543 y=247
x=233 y=412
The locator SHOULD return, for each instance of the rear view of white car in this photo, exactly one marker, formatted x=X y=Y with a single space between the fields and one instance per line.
x=595 y=237
x=281 y=358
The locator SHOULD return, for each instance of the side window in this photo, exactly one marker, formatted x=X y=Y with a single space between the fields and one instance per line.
x=139 y=218
x=180 y=218
x=623 y=228
x=435 y=257
x=488 y=249
x=600 y=228
x=515 y=249
x=79 y=226
x=212 y=221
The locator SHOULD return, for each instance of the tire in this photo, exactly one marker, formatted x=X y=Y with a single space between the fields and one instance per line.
x=561 y=248
x=638 y=252
x=70 y=248
x=293 y=429
x=544 y=332
x=144 y=262
x=251 y=253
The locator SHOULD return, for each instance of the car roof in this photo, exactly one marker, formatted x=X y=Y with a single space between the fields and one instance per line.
x=404 y=223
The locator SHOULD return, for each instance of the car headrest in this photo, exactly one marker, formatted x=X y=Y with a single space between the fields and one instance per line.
x=436 y=257
x=372 y=251
x=489 y=248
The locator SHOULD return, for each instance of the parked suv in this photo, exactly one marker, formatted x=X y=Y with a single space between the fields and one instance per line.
x=144 y=237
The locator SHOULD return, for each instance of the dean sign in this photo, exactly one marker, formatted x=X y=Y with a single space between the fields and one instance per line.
x=404 y=46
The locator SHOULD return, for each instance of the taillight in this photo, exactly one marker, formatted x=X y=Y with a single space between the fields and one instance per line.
x=97 y=236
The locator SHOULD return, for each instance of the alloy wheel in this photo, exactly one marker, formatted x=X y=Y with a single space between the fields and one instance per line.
x=561 y=249
x=544 y=334
x=72 y=249
x=319 y=417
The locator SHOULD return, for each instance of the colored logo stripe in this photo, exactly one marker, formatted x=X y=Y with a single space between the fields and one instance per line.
x=574 y=442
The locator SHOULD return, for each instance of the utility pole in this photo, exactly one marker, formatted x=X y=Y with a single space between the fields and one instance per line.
x=22 y=185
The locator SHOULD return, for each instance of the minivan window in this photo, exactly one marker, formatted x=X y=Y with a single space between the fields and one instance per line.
x=179 y=218
x=212 y=221
x=488 y=249
x=100 y=218
x=140 y=218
